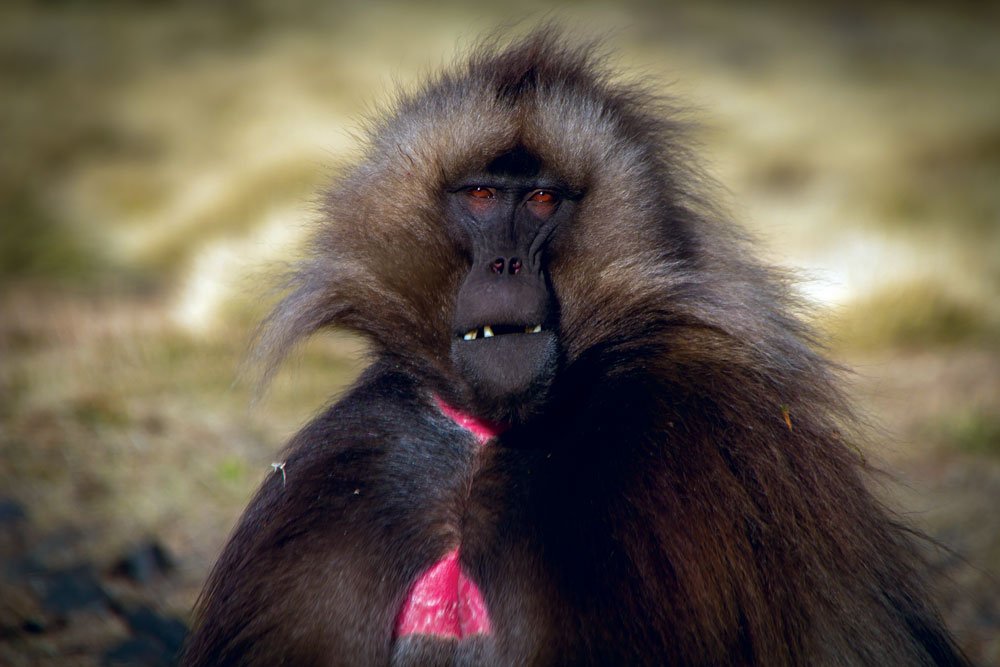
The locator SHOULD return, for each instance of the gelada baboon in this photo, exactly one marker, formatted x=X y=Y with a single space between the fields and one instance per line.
x=593 y=430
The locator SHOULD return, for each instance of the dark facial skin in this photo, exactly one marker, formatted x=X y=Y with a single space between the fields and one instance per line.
x=506 y=315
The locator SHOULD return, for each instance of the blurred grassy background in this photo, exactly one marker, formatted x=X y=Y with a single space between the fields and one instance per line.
x=158 y=162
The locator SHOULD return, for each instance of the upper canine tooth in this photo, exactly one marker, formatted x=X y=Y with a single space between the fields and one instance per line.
x=535 y=329
x=471 y=335
x=487 y=332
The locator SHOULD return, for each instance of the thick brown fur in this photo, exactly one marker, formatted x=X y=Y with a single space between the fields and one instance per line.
x=662 y=510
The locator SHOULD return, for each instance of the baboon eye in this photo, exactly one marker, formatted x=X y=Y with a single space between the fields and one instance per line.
x=542 y=197
x=542 y=203
x=479 y=192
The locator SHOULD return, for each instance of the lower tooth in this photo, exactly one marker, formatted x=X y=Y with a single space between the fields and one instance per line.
x=535 y=329
x=487 y=332
x=471 y=335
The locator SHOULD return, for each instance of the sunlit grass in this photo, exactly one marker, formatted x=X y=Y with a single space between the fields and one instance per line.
x=913 y=316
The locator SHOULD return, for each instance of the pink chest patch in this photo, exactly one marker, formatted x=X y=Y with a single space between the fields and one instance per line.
x=444 y=601
x=483 y=430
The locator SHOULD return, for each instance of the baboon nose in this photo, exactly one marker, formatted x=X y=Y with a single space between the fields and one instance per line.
x=513 y=265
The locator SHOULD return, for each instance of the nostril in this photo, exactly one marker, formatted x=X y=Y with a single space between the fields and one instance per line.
x=515 y=265
x=497 y=265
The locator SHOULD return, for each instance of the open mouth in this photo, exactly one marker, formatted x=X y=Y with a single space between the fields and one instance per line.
x=491 y=330
x=508 y=368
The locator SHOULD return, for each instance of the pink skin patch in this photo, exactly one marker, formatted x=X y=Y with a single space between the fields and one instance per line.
x=444 y=602
x=482 y=429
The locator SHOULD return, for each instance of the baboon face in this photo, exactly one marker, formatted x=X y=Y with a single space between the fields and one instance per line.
x=503 y=229
x=505 y=340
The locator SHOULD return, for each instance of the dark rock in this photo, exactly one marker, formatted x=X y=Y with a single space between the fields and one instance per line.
x=144 y=562
x=156 y=641
x=33 y=626
x=14 y=527
x=168 y=631
x=27 y=571
x=138 y=651
x=72 y=589
x=11 y=513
